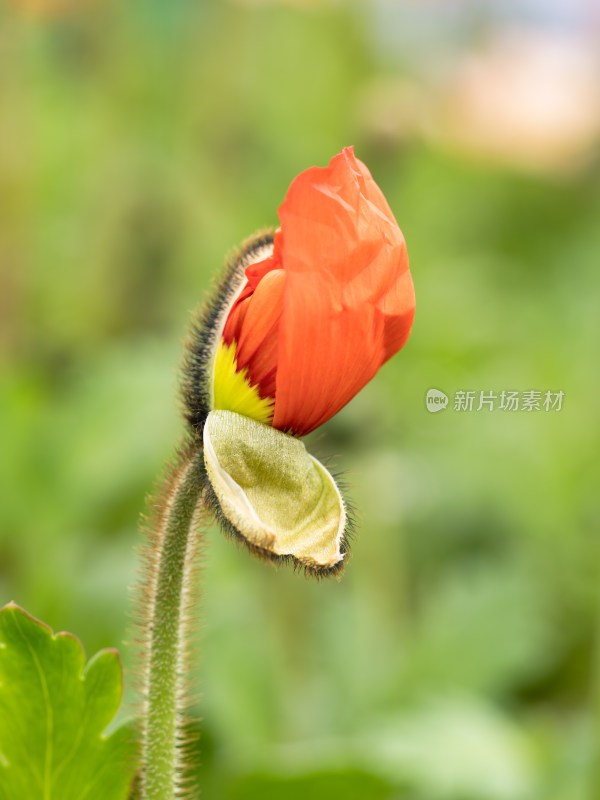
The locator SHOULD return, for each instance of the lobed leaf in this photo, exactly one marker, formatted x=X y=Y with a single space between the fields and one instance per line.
x=54 y=711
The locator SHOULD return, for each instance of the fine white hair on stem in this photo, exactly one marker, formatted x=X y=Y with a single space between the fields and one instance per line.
x=167 y=610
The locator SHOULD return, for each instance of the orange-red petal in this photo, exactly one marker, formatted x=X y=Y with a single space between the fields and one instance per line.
x=253 y=324
x=258 y=340
x=348 y=301
x=317 y=319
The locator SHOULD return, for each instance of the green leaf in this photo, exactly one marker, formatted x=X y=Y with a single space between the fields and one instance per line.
x=54 y=711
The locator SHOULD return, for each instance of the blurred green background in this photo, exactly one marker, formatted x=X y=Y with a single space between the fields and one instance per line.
x=457 y=659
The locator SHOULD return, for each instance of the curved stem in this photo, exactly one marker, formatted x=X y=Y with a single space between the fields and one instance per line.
x=167 y=606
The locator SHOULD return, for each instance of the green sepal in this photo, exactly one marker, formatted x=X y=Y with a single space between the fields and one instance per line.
x=277 y=496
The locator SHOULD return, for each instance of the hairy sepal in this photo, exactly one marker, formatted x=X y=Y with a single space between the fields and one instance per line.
x=206 y=329
x=277 y=497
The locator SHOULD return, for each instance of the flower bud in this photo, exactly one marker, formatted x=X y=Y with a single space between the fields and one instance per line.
x=301 y=321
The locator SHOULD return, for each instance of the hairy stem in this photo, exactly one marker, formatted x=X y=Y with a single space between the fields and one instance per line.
x=167 y=607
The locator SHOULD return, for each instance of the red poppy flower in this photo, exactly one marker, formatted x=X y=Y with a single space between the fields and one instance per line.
x=305 y=318
x=301 y=320
x=333 y=302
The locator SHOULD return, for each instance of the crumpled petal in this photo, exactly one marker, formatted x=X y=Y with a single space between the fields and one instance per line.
x=348 y=302
x=334 y=301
